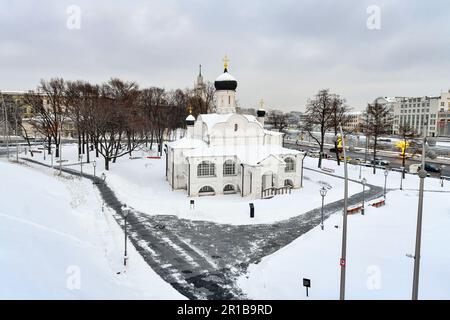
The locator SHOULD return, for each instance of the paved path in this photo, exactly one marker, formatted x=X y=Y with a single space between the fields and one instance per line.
x=201 y=259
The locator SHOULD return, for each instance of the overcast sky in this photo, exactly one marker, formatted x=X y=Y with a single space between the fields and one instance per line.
x=282 y=51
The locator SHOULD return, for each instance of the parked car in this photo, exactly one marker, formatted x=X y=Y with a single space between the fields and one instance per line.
x=315 y=153
x=380 y=162
x=339 y=149
x=432 y=168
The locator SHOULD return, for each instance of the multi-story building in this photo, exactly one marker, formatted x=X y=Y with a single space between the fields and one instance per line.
x=419 y=113
x=443 y=122
x=14 y=102
x=355 y=122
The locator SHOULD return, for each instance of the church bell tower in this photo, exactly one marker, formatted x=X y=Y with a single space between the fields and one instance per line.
x=225 y=93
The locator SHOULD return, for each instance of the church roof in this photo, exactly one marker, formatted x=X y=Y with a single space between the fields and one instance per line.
x=211 y=119
x=251 y=155
x=187 y=143
x=226 y=77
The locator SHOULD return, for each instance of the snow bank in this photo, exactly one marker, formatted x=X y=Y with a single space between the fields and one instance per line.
x=56 y=243
x=377 y=266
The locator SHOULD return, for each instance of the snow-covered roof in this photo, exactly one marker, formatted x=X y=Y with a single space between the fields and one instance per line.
x=190 y=118
x=211 y=119
x=187 y=143
x=251 y=155
x=226 y=77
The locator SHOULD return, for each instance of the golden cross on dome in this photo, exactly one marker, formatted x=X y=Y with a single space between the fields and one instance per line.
x=225 y=62
x=189 y=108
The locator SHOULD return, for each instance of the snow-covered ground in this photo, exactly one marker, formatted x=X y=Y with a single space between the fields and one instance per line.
x=377 y=266
x=56 y=243
x=141 y=184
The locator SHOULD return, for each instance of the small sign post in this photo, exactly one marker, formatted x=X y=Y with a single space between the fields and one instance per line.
x=307 y=284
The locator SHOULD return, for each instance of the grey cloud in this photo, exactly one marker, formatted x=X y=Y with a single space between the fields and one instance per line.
x=282 y=51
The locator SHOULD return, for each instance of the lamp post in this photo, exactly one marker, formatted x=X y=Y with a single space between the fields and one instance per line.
x=80 y=157
x=360 y=169
x=301 y=178
x=343 y=261
x=94 y=164
x=323 y=193
x=51 y=155
x=60 y=158
x=363 y=181
x=125 y=212
x=422 y=175
x=386 y=172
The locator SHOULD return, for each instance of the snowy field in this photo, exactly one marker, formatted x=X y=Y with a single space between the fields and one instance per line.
x=55 y=242
x=141 y=184
x=377 y=266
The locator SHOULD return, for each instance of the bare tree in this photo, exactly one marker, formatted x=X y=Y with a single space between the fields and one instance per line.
x=278 y=119
x=317 y=117
x=376 y=122
x=339 y=116
x=408 y=134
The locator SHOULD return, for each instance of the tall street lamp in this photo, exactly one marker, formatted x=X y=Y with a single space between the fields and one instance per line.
x=301 y=178
x=80 y=157
x=125 y=212
x=343 y=261
x=360 y=168
x=363 y=181
x=422 y=175
x=94 y=164
x=323 y=193
x=386 y=172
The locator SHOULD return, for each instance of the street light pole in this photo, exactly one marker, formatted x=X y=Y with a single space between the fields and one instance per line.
x=422 y=175
x=301 y=178
x=363 y=181
x=344 y=222
x=386 y=172
x=94 y=164
x=323 y=193
x=125 y=212
x=81 y=165
x=360 y=169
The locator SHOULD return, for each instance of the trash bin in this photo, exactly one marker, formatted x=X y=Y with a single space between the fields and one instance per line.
x=252 y=210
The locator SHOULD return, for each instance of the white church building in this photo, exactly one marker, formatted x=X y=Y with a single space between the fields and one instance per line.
x=230 y=153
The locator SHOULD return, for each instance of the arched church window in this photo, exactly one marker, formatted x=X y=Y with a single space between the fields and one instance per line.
x=236 y=127
x=229 y=168
x=206 y=169
x=229 y=100
x=288 y=183
x=290 y=165
x=206 y=190
x=228 y=189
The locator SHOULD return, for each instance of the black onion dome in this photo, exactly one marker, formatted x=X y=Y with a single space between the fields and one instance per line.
x=261 y=113
x=225 y=82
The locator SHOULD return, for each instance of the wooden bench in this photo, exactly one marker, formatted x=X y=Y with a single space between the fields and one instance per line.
x=153 y=157
x=354 y=209
x=327 y=170
x=378 y=203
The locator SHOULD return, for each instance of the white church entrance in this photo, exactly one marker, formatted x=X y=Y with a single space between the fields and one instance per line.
x=268 y=180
